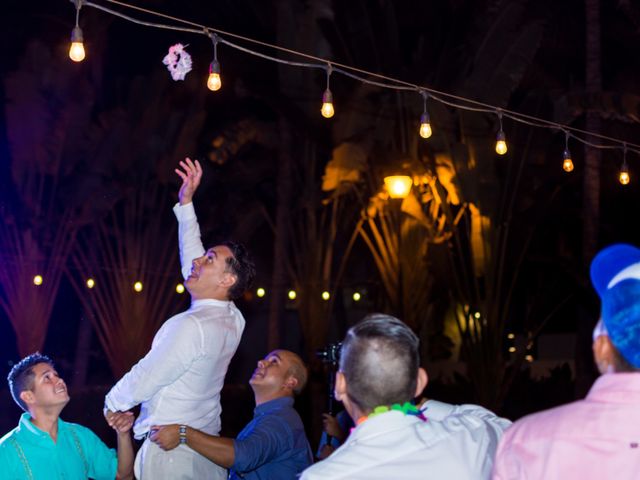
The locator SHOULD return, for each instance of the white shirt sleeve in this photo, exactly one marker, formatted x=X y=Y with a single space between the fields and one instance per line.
x=472 y=418
x=188 y=236
x=176 y=345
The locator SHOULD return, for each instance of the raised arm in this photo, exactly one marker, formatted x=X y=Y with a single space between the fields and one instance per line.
x=188 y=229
x=122 y=423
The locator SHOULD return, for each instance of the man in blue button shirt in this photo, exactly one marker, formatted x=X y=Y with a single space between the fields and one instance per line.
x=273 y=444
x=43 y=446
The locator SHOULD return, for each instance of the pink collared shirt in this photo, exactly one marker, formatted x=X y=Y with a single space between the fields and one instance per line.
x=598 y=437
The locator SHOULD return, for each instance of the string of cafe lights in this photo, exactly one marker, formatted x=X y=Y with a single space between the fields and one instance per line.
x=214 y=83
x=260 y=292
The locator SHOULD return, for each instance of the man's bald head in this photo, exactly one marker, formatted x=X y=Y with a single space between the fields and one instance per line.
x=380 y=361
x=297 y=370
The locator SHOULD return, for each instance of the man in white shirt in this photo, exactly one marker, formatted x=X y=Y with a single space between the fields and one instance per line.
x=180 y=378
x=379 y=375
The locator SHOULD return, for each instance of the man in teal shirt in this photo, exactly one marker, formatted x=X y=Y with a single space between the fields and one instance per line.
x=43 y=446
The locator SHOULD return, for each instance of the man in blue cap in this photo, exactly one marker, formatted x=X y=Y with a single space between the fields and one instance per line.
x=597 y=437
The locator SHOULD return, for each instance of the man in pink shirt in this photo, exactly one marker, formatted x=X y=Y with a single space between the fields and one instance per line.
x=598 y=437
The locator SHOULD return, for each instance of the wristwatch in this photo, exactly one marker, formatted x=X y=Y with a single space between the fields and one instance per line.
x=183 y=434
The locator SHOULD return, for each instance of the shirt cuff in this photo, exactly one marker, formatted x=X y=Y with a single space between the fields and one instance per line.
x=184 y=212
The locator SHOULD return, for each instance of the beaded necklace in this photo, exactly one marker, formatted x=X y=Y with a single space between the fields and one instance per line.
x=407 y=408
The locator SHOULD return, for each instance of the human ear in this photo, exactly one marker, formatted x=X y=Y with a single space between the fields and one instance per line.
x=422 y=381
x=27 y=396
x=603 y=353
x=291 y=382
x=340 y=387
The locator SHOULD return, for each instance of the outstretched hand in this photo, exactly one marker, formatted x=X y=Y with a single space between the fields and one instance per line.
x=191 y=173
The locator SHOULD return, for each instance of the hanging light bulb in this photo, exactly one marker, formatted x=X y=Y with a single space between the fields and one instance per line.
x=327 y=98
x=137 y=287
x=76 y=51
x=214 y=82
x=37 y=280
x=425 y=124
x=326 y=295
x=501 y=139
x=567 y=163
x=91 y=283
x=624 y=170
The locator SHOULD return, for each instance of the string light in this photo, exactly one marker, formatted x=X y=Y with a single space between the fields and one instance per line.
x=512 y=349
x=76 y=51
x=214 y=82
x=398 y=186
x=511 y=336
x=37 y=280
x=425 y=123
x=501 y=140
x=261 y=292
x=360 y=75
x=179 y=288
x=91 y=283
x=567 y=163
x=137 y=287
x=326 y=295
x=356 y=296
x=292 y=294
x=624 y=177
x=327 y=97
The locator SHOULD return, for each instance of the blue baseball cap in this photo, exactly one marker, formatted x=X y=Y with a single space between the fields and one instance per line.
x=611 y=261
x=615 y=274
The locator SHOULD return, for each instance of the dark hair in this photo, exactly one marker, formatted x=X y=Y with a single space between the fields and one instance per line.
x=21 y=376
x=380 y=360
x=241 y=265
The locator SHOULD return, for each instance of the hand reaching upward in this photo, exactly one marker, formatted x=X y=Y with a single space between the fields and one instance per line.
x=191 y=174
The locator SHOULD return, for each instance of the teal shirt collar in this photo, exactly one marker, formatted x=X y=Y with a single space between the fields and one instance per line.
x=28 y=431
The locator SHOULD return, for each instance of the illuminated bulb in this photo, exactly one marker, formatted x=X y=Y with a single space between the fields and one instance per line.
x=624 y=175
x=261 y=292
x=425 y=126
x=91 y=283
x=179 y=288
x=567 y=163
x=512 y=349
x=477 y=314
x=76 y=51
x=326 y=295
x=529 y=358
x=327 y=104
x=511 y=336
x=398 y=186
x=214 y=83
x=501 y=143
x=292 y=295
x=137 y=287
x=356 y=296
x=37 y=280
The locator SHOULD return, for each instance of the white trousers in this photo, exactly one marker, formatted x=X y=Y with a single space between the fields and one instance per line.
x=181 y=463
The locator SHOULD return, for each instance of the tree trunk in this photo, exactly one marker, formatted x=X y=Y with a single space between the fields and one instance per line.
x=591 y=186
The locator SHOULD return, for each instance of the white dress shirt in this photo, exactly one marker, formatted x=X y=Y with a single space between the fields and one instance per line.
x=180 y=379
x=455 y=443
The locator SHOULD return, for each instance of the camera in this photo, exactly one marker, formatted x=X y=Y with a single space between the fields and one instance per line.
x=330 y=354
